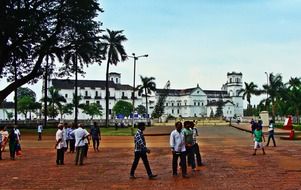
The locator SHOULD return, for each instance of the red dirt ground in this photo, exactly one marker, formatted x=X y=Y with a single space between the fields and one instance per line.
x=227 y=153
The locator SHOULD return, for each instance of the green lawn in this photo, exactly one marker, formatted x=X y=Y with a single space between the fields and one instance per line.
x=104 y=131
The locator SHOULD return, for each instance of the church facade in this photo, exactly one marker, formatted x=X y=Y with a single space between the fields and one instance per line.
x=190 y=102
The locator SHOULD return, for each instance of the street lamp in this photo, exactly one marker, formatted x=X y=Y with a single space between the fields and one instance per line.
x=134 y=88
x=266 y=102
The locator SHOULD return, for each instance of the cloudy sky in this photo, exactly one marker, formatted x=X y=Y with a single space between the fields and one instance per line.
x=198 y=41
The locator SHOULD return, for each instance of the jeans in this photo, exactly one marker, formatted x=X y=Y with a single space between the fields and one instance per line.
x=190 y=155
x=79 y=156
x=175 y=158
x=143 y=156
x=0 y=152
x=60 y=156
x=196 y=152
x=95 y=143
x=271 y=135
x=72 y=145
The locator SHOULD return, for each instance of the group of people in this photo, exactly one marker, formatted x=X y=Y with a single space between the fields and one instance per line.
x=76 y=139
x=183 y=144
x=258 y=135
x=13 y=138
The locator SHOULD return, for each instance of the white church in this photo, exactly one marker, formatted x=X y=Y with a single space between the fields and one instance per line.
x=190 y=102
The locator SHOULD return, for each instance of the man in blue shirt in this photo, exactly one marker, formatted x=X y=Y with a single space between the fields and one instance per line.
x=140 y=152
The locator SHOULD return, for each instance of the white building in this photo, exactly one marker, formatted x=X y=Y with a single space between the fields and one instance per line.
x=190 y=102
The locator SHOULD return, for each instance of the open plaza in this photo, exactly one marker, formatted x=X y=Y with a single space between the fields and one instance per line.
x=226 y=152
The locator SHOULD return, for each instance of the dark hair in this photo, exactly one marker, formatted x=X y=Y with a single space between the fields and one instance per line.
x=178 y=123
x=140 y=125
x=187 y=123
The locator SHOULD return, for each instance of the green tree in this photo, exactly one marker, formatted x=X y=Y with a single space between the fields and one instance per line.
x=123 y=107
x=249 y=90
x=219 y=109
x=26 y=92
x=67 y=109
x=274 y=89
x=25 y=104
x=34 y=29
x=55 y=101
x=148 y=85
x=92 y=110
x=115 y=52
x=10 y=115
x=140 y=109
x=293 y=97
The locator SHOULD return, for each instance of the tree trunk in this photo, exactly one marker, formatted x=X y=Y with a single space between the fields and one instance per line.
x=45 y=92
x=146 y=103
x=107 y=91
x=76 y=96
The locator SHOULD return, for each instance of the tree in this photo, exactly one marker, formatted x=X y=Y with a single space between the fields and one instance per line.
x=67 y=109
x=92 y=110
x=274 y=89
x=25 y=104
x=123 y=107
x=55 y=100
x=293 y=96
x=115 y=52
x=140 y=109
x=36 y=28
x=219 y=109
x=148 y=85
x=26 y=92
x=10 y=115
x=249 y=90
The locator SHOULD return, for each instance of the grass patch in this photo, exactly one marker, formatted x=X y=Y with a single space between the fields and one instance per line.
x=104 y=131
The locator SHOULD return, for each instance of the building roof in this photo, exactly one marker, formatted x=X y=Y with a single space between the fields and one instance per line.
x=69 y=84
x=215 y=103
x=216 y=93
x=187 y=91
x=7 y=105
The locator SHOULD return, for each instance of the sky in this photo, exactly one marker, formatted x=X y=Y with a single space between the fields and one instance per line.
x=198 y=41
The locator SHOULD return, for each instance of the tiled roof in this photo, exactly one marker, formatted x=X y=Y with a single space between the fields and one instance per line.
x=215 y=103
x=69 y=84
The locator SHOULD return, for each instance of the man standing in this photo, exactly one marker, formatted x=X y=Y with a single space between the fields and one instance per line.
x=188 y=136
x=0 y=146
x=60 y=145
x=95 y=133
x=177 y=144
x=140 y=152
x=195 y=146
x=80 y=135
x=40 y=129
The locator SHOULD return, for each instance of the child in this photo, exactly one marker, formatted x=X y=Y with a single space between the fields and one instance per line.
x=258 y=136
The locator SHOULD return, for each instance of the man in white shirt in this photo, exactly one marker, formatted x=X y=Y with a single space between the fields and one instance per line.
x=17 y=132
x=80 y=136
x=59 y=145
x=177 y=144
x=40 y=129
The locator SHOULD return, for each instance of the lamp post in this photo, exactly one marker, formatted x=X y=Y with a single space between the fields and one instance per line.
x=134 y=88
x=266 y=102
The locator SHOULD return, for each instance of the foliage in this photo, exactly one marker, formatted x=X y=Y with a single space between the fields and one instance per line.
x=249 y=89
x=25 y=104
x=219 y=109
x=92 y=110
x=140 y=109
x=211 y=113
x=115 y=52
x=55 y=100
x=148 y=85
x=26 y=92
x=10 y=115
x=123 y=107
x=67 y=109
x=36 y=28
x=159 y=108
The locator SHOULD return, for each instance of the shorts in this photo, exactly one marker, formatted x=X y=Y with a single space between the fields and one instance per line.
x=258 y=145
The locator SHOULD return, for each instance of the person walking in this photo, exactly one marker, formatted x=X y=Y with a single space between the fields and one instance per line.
x=80 y=134
x=12 y=142
x=177 y=145
x=40 y=129
x=59 y=146
x=95 y=134
x=271 y=133
x=70 y=139
x=195 y=146
x=5 y=135
x=141 y=152
x=188 y=137
x=258 y=136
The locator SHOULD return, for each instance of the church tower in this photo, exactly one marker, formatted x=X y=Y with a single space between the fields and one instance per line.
x=233 y=86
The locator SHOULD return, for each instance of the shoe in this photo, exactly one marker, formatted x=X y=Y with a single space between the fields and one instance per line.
x=175 y=174
x=195 y=169
x=254 y=154
x=152 y=176
x=132 y=177
x=185 y=176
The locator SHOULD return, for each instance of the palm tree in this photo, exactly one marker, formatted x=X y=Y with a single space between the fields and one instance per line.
x=55 y=99
x=294 y=95
x=148 y=85
x=274 y=90
x=249 y=89
x=115 y=51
